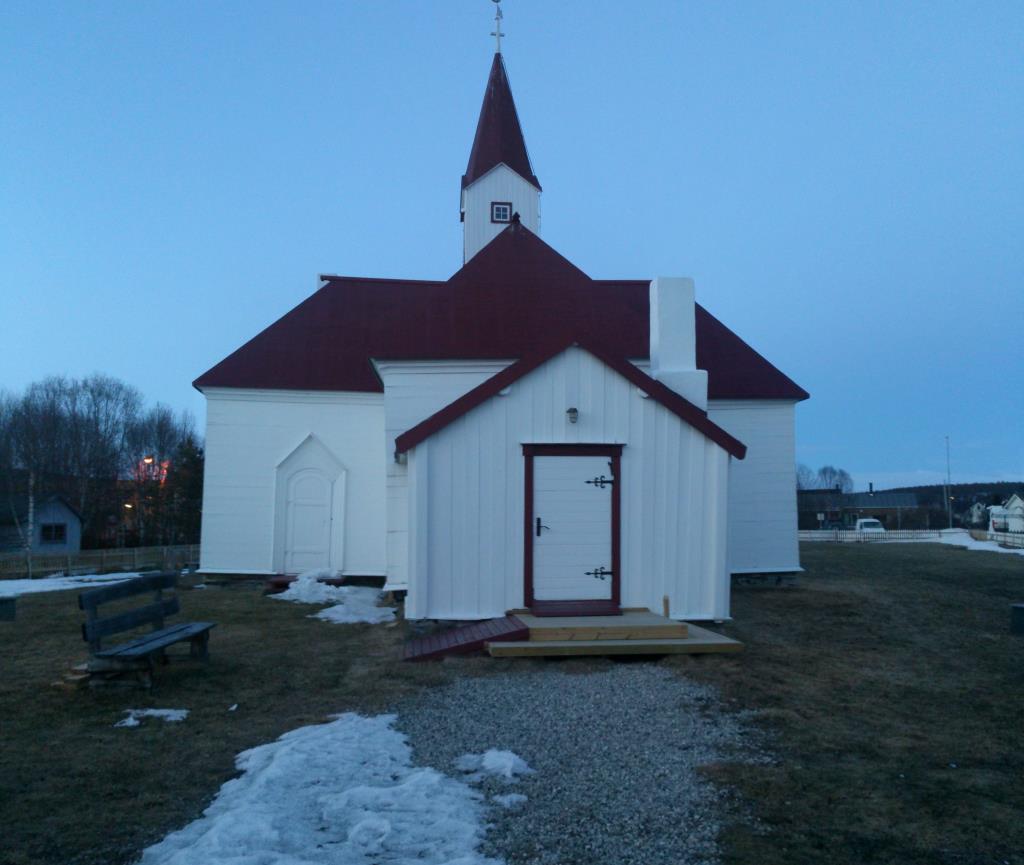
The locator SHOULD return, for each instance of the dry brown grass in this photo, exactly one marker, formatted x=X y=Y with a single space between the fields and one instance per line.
x=884 y=665
x=895 y=693
x=73 y=789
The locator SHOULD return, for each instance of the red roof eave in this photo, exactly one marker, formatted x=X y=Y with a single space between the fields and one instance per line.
x=678 y=405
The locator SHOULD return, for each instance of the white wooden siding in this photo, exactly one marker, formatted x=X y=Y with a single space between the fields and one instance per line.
x=466 y=487
x=414 y=390
x=501 y=183
x=248 y=434
x=762 y=488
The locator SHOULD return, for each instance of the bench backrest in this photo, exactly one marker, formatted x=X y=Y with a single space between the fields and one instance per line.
x=94 y=628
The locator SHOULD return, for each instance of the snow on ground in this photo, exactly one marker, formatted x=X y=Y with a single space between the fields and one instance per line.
x=58 y=583
x=166 y=714
x=351 y=603
x=342 y=792
x=961 y=538
x=499 y=764
x=509 y=800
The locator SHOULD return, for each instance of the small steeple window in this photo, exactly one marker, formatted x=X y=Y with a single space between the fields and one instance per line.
x=501 y=211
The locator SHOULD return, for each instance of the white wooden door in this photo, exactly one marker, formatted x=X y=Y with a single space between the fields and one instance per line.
x=574 y=532
x=308 y=521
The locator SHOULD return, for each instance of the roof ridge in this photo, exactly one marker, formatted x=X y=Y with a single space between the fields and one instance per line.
x=332 y=277
x=681 y=407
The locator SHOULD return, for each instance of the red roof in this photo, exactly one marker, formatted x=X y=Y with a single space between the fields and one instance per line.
x=499 y=137
x=516 y=297
x=678 y=405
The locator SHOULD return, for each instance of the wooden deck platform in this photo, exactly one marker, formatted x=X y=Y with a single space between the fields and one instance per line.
x=631 y=625
x=697 y=641
x=632 y=632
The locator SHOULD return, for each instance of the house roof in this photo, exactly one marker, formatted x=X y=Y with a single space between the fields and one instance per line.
x=882 y=500
x=16 y=506
x=515 y=297
x=678 y=405
x=499 y=137
x=829 y=499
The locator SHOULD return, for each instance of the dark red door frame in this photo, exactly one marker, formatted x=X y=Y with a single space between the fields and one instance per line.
x=614 y=453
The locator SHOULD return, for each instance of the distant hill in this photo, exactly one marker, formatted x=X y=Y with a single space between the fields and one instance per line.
x=964 y=494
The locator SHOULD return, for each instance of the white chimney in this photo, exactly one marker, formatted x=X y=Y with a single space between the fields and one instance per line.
x=674 y=339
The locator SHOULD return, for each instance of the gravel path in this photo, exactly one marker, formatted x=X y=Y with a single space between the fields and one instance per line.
x=615 y=754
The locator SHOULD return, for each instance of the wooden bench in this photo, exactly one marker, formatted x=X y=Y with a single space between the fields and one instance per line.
x=138 y=655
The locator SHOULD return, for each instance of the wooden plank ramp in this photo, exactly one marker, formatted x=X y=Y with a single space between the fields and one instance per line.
x=697 y=641
x=474 y=637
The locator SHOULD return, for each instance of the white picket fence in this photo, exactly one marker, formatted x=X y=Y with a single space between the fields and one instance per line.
x=853 y=536
x=13 y=565
x=1006 y=539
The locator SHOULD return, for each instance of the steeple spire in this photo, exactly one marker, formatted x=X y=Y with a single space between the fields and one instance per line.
x=499 y=188
x=499 y=137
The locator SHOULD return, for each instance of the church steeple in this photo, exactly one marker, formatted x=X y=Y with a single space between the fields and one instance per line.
x=499 y=137
x=499 y=180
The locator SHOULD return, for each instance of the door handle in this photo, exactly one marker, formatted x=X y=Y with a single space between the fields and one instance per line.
x=541 y=526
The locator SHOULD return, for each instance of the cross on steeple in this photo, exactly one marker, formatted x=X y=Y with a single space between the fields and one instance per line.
x=497 y=34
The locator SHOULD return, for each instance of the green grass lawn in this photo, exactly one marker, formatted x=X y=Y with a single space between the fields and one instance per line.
x=886 y=680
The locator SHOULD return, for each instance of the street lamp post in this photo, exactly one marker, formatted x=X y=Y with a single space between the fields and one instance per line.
x=949 y=489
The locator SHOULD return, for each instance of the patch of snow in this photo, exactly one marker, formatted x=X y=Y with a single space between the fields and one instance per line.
x=345 y=791
x=306 y=588
x=58 y=583
x=170 y=715
x=509 y=800
x=359 y=605
x=500 y=764
x=352 y=604
x=961 y=538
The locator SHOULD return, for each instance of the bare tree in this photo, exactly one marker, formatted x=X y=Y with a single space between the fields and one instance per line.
x=830 y=478
x=806 y=478
x=100 y=417
x=153 y=441
x=33 y=444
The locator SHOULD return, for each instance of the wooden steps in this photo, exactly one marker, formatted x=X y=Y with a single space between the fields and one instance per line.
x=697 y=641
x=467 y=638
x=632 y=632
x=624 y=626
x=575 y=608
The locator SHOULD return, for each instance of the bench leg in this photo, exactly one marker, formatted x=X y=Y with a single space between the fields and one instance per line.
x=198 y=646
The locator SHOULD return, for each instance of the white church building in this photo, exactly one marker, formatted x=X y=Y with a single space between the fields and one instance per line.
x=518 y=436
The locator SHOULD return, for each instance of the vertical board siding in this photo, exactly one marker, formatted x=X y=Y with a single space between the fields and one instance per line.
x=248 y=434
x=413 y=391
x=673 y=539
x=762 y=495
x=499 y=184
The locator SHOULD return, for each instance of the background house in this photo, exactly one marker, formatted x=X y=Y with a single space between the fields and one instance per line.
x=57 y=527
x=1008 y=517
x=829 y=509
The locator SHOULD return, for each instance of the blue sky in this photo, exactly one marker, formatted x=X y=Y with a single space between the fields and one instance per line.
x=844 y=181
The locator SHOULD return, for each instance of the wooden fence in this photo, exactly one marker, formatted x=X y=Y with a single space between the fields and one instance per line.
x=853 y=536
x=100 y=561
x=1005 y=539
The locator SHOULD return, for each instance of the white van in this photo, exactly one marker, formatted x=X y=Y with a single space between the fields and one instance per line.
x=870 y=527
